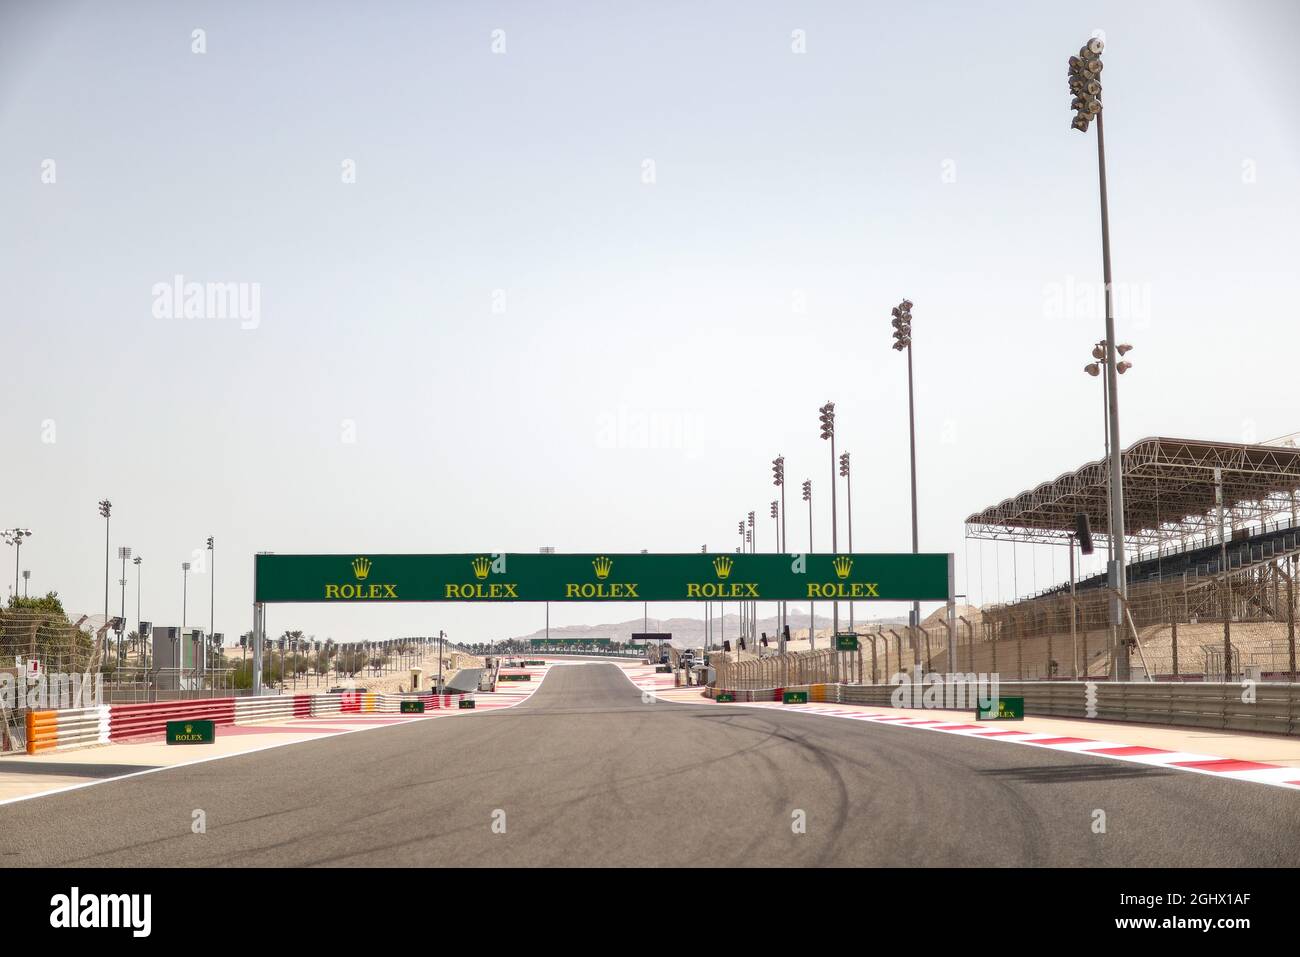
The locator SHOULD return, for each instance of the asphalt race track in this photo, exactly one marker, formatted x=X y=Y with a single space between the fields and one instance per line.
x=587 y=773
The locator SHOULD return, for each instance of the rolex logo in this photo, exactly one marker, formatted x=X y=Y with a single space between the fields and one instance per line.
x=189 y=729
x=843 y=565
x=361 y=568
x=602 y=566
x=722 y=565
x=481 y=567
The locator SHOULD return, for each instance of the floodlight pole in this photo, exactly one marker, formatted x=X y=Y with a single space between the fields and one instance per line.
x=911 y=422
x=785 y=547
x=812 y=613
x=848 y=488
x=1119 y=580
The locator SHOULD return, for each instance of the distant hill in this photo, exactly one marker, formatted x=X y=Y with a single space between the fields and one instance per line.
x=689 y=632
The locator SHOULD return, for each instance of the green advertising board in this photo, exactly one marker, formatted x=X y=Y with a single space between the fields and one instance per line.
x=412 y=707
x=514 y=677
x=846 y=642
x=191 y=732
x=507 y=577
x=1004 y=709
x=794 y=697
x=724 y=696
x=465 y=703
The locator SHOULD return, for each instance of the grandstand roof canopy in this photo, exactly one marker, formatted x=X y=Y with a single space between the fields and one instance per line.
x=1169 y=492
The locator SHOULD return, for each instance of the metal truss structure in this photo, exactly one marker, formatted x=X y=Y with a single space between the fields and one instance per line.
x=1170 y=496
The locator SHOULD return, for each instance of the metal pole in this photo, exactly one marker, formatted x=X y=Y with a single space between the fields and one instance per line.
x=1225 y=599
x=1290 y=616
x=740 y=605
x=911 y=420
x=1119 y=578
x=785 y=543
x=1074 y=638
x=753 y=605
x=106 y=524
x=812 y=617
x=848 y=485
x=835 y=542
x=121 y=635
x=185 y=588
x=776 y=548
x=259 y=631
x=212 y=598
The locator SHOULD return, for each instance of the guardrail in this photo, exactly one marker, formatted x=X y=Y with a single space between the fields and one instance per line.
x=268 y=707
x=83 y=727
x=149 y=719
x=70 y=728
x=1218 y=706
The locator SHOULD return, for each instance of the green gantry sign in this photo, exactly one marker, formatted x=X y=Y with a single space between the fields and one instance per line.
x=568 y=643
x=507 y=577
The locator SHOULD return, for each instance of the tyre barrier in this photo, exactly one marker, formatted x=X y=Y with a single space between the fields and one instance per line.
x=82 y=727
x=66 y=729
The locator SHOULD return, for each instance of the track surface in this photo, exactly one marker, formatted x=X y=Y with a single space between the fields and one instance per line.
x=587 y=773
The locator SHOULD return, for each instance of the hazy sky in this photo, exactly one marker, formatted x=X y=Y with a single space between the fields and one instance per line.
x=597 y=269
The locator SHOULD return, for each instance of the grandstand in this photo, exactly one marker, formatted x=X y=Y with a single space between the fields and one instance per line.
x=1194 y=562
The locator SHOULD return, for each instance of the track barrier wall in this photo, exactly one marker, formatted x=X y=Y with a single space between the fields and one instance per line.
x=1219 y=706
x=57 y=730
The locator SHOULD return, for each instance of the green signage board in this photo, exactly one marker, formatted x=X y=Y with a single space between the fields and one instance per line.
x=794 y=697
x=506 y=577
x=532 y=664
x=724 y=696
x=412 y=707
x=1004 y=709
x=514 y=677
x=466 y=703
x=191 y=732
x=569 y=642
x=846 y=642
